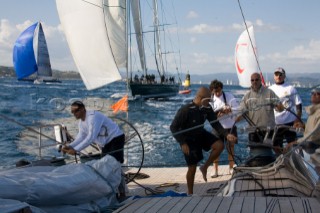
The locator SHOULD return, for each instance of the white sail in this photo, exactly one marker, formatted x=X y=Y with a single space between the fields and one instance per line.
x=115 y=16
x=137 y=23
x=245 y=60
x=84 y=23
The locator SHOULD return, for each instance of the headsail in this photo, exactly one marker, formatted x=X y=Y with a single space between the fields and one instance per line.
x=245 y=60
x=95 y=31
x=24 y=60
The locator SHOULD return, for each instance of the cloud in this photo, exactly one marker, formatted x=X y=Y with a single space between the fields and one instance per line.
x=192 y=14
x=204 y=28
x=193 y=40
x=303 y=53
x=310 y=52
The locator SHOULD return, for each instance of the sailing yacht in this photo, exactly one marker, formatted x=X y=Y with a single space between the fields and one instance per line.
x=31 y=43
x=99 y=37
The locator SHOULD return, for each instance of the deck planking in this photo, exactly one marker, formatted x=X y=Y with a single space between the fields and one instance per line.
x=222 y=205
x=205 y=200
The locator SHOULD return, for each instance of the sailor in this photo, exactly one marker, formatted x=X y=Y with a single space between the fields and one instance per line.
x=95 y=127
x=312 y=125
x=292 y=102
x=190 y=119
x=258 y=110
x=223 y=103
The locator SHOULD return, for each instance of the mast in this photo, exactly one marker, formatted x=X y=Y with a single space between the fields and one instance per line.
x=158 y=53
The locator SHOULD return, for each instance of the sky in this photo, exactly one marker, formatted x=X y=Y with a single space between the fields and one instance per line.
x=287 y=33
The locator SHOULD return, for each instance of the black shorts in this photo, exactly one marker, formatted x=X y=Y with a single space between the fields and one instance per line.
x=115 y=148
x=200 y=142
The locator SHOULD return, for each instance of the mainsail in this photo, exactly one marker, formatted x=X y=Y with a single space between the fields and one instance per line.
x=86 y=22
x=245 y=60
x=43 y=59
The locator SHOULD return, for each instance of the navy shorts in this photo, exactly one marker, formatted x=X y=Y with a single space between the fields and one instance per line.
x=115 y=148
x=200 y=142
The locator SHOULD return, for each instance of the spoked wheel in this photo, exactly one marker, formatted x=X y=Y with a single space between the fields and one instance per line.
x=133 y=149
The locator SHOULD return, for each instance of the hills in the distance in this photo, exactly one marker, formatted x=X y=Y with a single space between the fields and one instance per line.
x=298 y=79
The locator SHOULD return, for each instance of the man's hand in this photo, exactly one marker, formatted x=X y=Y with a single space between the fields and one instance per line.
x=279 y=107
x=185 y=149
x=231 y=138
x=298 y=124
x=69 y=150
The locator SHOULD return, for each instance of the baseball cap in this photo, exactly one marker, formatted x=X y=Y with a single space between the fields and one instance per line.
x=280 y=70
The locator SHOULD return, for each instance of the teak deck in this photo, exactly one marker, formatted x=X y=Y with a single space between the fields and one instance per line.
x=204 y=199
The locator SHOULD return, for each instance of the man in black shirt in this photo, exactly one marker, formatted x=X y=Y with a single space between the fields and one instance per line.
x=188 y=129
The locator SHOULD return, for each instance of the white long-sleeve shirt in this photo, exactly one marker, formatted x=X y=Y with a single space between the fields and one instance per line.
x=219 y=102
x=96 y=128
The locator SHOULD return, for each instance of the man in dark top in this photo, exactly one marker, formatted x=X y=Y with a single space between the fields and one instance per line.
x=187 y=128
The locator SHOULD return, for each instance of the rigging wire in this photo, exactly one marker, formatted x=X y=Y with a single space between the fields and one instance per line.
x=255 y=54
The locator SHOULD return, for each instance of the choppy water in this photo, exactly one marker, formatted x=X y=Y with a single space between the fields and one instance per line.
x=28 y=105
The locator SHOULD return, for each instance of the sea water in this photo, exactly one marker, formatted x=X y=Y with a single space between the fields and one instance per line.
x=24 y=106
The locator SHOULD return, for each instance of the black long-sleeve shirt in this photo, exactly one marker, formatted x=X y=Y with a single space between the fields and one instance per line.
x=189 y=116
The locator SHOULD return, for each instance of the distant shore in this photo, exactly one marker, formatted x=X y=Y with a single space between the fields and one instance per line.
x=304 y=79
x=9 y=72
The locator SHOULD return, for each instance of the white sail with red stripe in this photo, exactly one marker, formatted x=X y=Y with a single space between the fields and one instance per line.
x=245 y=57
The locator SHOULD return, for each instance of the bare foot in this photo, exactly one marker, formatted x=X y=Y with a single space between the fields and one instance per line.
x=204 y=173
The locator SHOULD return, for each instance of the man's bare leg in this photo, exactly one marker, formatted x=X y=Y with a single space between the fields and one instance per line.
x=215 y=168
x=230 y=150
x=217 y=148
x=190 y=177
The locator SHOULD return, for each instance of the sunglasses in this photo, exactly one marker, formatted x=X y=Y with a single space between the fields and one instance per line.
x=257 y=79
x=315 y=93
x=278 y=74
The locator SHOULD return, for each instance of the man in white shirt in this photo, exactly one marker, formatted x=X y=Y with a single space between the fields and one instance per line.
x=222 y=104
x=95 y=127
x=291 y=101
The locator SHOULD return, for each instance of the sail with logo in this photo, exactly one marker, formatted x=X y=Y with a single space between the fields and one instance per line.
x=245 y=60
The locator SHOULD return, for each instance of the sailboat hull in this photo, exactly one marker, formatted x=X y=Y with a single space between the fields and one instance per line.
x=154 y=90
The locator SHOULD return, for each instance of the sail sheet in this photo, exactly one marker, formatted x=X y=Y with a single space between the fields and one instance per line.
x=245 y=60
x=24 y=60
x=85 y=28
x=137 y=23
x=43 y=60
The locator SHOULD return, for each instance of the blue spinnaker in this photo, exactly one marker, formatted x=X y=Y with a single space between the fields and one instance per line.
x=24 y=60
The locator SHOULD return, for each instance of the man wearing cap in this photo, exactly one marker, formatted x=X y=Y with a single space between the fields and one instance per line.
x=291 y=101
